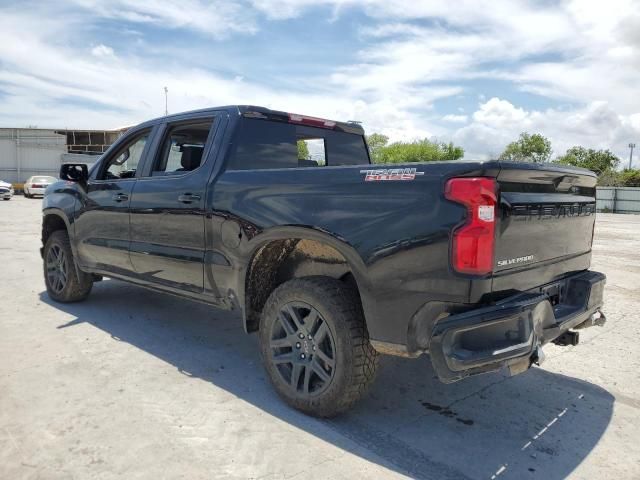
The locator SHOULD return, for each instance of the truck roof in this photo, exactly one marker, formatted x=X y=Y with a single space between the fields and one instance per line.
x=254 y=111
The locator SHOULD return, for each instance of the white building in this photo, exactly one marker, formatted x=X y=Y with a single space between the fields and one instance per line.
x=35 y=151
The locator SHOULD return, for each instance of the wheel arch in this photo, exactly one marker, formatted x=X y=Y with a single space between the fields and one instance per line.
x=52 y=220
x=278 y=255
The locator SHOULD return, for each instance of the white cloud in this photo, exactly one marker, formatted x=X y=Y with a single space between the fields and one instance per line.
x=452 y=118
x=498 y=122
x=217 y=18
x=109 y=90
x=499 y=113
x=583 y=54
x=102 y=51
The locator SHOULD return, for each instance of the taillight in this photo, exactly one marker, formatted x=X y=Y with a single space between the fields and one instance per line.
x=472 y=244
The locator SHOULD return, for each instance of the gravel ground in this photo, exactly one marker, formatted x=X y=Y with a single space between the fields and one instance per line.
x=136 y=384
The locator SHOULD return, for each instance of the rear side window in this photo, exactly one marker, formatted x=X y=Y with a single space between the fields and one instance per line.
x=312 y=151
x=263 y=144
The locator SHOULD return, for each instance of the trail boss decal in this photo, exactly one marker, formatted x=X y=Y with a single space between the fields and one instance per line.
x=389 y=174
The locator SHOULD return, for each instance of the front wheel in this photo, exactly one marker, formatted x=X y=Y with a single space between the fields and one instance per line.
x=315 y=345
x=64 y=282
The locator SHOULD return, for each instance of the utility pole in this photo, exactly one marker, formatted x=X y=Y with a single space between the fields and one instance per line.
x=631 y=147
x=166 y=108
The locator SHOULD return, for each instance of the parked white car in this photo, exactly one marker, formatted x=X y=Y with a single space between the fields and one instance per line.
x=6 y=190
x=37 y=184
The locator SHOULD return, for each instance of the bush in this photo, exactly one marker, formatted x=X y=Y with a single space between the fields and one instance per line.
x=406 y=152
x=625 y=178
x=630 y=177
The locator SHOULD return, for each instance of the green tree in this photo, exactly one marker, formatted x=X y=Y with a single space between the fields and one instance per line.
x=303 y=150
x=376 y=141
x=416 y=151
x=528 y=148
x=599 y=161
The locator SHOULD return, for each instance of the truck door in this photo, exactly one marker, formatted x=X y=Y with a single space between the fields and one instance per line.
x=168 y=207
x=102 y=217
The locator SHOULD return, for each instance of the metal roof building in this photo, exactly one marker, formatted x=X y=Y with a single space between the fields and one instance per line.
x=36 y=151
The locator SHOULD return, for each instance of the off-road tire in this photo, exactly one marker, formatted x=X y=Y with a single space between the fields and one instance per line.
x=78 y=284
x=355 y=360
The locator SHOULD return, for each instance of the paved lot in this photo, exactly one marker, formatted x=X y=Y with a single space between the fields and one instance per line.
x=136 y=384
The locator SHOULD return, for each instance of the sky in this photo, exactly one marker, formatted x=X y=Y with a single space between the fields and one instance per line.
x=477 y=73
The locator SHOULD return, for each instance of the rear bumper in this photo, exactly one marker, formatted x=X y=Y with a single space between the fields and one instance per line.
x=511 y=332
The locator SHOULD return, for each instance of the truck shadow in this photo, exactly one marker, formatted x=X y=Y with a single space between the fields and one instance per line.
x=536 y=425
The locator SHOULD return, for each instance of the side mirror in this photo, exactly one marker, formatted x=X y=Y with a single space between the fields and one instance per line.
x=74 y=172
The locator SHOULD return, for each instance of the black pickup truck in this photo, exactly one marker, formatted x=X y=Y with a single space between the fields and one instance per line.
x=331 y=260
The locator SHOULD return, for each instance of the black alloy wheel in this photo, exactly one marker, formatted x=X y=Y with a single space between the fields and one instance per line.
x=65 y=282
x=303 y=349
x=56 y=269
x=315 y=345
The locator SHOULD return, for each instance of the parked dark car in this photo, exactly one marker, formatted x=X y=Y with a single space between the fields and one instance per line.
x=330 y=259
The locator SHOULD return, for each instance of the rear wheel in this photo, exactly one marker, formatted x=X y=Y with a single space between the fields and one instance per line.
x=315 y=345
x=64 y=282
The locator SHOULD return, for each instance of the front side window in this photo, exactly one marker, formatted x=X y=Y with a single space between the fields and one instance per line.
x=124 y=164
x=183 y=148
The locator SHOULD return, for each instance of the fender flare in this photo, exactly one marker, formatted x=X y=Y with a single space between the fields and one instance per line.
x=350 y=254
x=53 y=211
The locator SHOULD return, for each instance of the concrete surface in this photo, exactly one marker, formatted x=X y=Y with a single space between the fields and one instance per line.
x=135 y=384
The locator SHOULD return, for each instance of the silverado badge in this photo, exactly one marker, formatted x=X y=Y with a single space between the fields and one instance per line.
x=515 y=261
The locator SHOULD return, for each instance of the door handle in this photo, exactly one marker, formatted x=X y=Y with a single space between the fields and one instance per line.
x=188 y=198
x=120 y=197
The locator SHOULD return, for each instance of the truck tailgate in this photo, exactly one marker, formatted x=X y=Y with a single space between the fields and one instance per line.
x=545 y=224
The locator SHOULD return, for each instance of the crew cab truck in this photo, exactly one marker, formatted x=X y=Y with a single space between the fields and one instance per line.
x=329 y=259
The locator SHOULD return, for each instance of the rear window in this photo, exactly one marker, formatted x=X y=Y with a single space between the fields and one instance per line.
x=43 y=179
x=262 y=144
